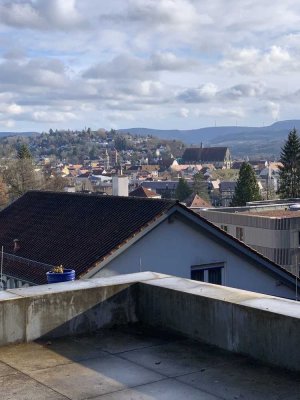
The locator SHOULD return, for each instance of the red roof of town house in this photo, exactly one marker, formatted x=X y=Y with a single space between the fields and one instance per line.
x=194 y=201
x=144 y=193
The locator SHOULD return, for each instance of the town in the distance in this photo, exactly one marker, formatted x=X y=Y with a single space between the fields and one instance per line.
x=247 y=197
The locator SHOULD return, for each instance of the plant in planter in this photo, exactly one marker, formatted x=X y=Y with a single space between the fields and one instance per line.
x=60 y=274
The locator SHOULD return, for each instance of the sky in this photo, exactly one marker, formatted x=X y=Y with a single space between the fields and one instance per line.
x=165 y=64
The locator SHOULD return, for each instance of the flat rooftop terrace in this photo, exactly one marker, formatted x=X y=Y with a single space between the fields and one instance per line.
x=147 y=336
x=272 y=213
x=138 y=363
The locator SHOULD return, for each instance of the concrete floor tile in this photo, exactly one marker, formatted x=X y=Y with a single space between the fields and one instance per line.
x=21 y=387
x=117 y=342
x=245 y=380
x=94 y=377
x=174 y=359
x=168 y=389
x=35 y=356
x=6 y=370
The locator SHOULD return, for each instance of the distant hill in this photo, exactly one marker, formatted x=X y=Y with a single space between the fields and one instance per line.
x=254 y=142
x=259 y=142
x=8 y=134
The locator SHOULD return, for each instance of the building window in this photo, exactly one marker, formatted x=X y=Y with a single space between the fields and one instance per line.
x=197 y=275
x=210 y=273
x=224 y=228
x=215 y=276
x=239 y=233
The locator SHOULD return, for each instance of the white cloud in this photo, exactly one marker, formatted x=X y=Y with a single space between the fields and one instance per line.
x=253 y=61
x=13 y=109
x=243 y=90
x=181 y=13
x=116 y=116
x=41 y=14
x=223 y=112
x=53 y=116
x=203 y=93
x=7 y=123
x=184 y=112
x=142 y=58
x=170 y=62
x=272 y=109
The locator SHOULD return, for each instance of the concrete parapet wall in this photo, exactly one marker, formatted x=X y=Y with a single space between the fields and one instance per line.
x=67 y=308
x=264 y=327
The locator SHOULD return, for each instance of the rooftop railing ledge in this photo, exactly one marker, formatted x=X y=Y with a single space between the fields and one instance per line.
x=263 y=327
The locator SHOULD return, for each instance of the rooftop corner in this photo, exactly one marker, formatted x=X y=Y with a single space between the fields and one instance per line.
x=145 y=334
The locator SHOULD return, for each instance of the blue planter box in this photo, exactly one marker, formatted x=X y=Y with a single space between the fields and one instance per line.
x=67 y=275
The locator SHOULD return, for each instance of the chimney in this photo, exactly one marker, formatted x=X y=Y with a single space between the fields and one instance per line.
x=16 y=245
x=120 y=185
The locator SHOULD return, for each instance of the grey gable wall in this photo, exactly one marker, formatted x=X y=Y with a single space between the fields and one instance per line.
x=172 y=248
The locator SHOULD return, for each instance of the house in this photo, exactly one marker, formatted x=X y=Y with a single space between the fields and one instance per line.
x=218 y=156
x=144 y=193
x=165 y=188
x=227 y=190
x=108 y=235
x=195 y=201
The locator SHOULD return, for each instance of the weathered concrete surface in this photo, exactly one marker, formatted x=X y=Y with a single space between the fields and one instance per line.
x=264 y=327
x=147 y=365
x=68 y=308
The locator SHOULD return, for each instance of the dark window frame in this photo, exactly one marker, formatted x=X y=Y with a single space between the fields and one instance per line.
x=198 y=273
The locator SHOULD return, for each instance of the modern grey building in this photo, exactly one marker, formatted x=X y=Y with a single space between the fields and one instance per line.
x=271 y=229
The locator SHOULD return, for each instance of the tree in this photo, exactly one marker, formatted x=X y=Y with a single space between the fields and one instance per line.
x=23 y=152
x=247 y=188
x=3 y=194
x=289 y=175
x=200 y=186
x=55 y=183
x=183 y=190
x=121 y=143
x=20 y=175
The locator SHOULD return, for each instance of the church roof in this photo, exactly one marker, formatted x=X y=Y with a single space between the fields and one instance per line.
x=206 y=154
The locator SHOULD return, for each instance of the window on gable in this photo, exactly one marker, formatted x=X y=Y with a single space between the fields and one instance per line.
x=197 y=275
x=215 y=276
x=210 y=273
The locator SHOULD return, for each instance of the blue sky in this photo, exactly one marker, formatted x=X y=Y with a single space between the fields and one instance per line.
x=154 y=63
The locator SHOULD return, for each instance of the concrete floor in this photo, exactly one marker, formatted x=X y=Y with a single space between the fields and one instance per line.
x=134 y=363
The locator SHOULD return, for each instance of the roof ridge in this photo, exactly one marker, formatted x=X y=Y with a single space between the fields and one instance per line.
x=96 y=195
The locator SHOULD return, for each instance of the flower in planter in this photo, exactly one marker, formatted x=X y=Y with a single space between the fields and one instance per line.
x=59 y=269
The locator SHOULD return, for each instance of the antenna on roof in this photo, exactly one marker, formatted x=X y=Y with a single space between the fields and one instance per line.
x=140 y=264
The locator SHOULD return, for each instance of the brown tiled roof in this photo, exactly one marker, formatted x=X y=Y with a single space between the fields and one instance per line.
x=194 y=200
x=143 y=192
x=76 y=230
x=207 y=154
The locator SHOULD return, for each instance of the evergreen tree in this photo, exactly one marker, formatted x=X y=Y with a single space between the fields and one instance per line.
x=200 y=186
x=23 y=152
x=247 y=188
x=289 y=175
x=183 y=190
